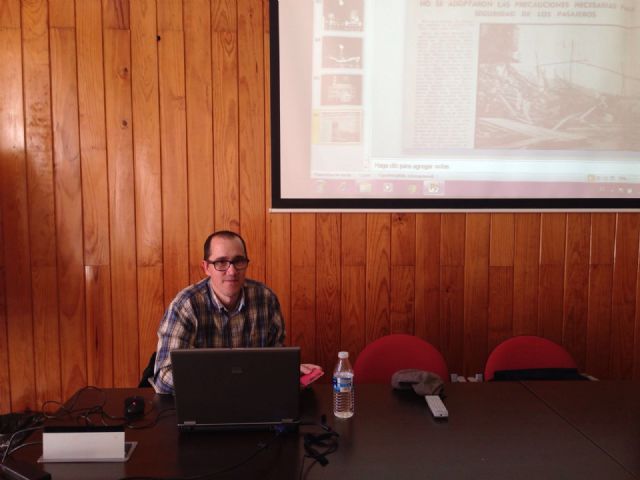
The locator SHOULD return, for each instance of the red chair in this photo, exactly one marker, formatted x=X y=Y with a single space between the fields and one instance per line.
x=527 y=352
x=383 y=357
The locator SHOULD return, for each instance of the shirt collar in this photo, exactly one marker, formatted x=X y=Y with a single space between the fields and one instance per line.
x=221 y=307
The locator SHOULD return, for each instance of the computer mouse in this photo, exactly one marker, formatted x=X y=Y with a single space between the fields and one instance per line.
x=134 y=407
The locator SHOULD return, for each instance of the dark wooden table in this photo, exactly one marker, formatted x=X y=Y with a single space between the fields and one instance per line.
x=494 y=431
x=606 y=412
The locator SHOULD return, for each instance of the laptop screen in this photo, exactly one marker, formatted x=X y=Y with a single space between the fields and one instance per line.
x=239 y=388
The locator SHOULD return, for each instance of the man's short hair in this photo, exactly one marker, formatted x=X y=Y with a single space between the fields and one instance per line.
x=228 y=234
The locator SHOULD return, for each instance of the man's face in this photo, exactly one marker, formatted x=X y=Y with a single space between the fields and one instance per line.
x=227 y=284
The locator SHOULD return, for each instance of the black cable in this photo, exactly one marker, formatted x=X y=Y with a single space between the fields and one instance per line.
x=8 y=449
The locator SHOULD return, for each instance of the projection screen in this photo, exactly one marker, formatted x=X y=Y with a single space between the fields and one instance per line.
x=463 y=104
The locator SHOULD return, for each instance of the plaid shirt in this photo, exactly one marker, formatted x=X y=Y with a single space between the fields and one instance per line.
x=196 y=319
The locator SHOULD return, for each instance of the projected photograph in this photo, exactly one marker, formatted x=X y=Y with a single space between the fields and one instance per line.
x=343 y=15
x=557 y=88
x=338 y=127
x=341 y=52
x=341 y=89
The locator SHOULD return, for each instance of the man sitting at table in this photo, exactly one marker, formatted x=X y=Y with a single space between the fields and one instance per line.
x=223 y=310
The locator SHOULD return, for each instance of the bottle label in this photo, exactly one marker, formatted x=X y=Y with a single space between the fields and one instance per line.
x=342 y=384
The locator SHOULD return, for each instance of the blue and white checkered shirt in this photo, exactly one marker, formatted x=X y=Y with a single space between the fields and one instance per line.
x=197 y=319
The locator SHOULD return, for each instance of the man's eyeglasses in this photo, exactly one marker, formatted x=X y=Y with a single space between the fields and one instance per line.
x=239 y=263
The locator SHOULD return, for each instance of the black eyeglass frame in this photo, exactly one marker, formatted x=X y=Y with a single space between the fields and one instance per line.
x=239 y=263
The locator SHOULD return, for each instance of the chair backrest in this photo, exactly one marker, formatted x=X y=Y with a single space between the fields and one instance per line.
x=527 y=352
x=147 y=373
x=383 y=357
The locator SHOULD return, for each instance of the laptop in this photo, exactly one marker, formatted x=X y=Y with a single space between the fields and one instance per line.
x=236 y=388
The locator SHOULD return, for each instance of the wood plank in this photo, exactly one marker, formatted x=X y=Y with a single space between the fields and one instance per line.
x=146 y=134
x=251 y=97
x=599 y=321
x=14 y=211
x=224 y=16
x=61 y=14
x=91 y=104
x=353 y=310
x=175 y=227
x=576 y=278
x=452 y=316
x=402 y=299
x=279 y=263
x=100 y=335
x=303 y=285
x=452 y=239
x=476 y=292
x=525 y=273
x=46 y=333
x=550 y=302
x=403 y=239
x=502 y=240
x=353 y=248
x=40 y=181
x=121 y=206
x=378 y=273
x=551 y=275
x=68 y=199
x=353 y=243
x=603 y=227
x=5 y=379
x=328 y=276
x=225 y=130
x=197 y=41
x=624 y=299
x=115 y=15
x=10 y=14
x=427 y=301
x=150 y=309
x=500 y=306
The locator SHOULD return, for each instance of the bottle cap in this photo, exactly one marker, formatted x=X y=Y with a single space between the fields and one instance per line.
x=343 y=354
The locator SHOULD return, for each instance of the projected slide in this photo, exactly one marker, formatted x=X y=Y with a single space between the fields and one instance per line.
x=459 y=99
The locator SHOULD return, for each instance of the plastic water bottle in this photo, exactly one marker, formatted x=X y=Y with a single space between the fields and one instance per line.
x=343 y=388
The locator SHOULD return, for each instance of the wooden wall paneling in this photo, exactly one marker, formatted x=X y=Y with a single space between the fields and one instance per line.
x=61 y=13
x=150 y=309
x=576 y=279
x=452 y=290
x=39 y=148
x=175 y=226
x=5 y=379
x=251 y=96
x=525 y=273
x=100 y=334
x=636 y=335
x=353 y=246
x=501 y=251
x=68 y=196
x=624 y=302
x=303 y=285
x=146 y=152
x=427 y=278
x=279 y=264
x=93 y=145
x=553 y=228
x=116 y=14
x=402 y=278
x=10 y=14
x=476 y=292
x=328 y=275
x=197 y=39
x=121 y=206
x=600 y=289
x=225 y=115
x=378 y=276
x=15 y=217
